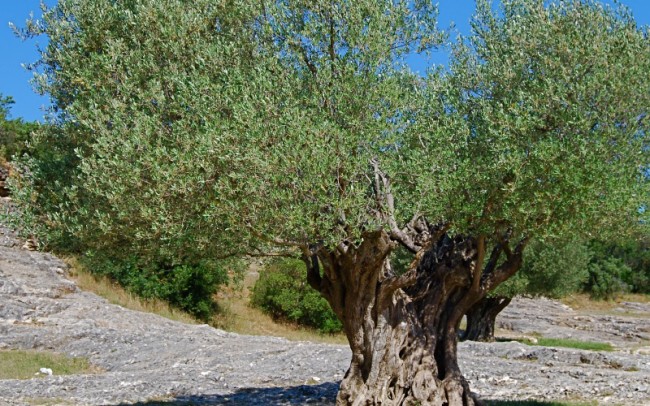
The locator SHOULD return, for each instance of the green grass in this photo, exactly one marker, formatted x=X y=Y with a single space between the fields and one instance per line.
x=16 y=364
x=568 y=343
x=579 y=345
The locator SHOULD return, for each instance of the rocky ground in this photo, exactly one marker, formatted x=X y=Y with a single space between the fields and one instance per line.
x=143 y=358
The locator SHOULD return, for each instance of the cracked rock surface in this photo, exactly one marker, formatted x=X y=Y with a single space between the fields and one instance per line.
x=143 y=358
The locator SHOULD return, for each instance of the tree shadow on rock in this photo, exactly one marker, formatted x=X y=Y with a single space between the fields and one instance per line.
x=323 y=394
x=534 y=403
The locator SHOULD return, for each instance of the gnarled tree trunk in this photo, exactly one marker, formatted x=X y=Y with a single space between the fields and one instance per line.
x=402 y=329
x=481 y=318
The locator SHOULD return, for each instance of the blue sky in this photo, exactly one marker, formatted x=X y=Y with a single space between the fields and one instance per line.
x=14 y=80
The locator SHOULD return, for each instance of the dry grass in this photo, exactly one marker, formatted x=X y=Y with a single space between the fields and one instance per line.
x=16 y=364
x=115 y=294
x=238 y=316
x=48 y=402
x=582 y=302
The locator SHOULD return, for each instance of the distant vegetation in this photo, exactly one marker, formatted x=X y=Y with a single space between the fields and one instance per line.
x=618 y=267
x=13 y=132
x=189 y=287
x=283 y=292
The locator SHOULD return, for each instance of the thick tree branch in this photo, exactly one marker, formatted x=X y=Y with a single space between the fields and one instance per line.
x=313 y=271
x=493 y=260
x=508 y=268
x=391 y=285
x=478 y=263
x=386 y=201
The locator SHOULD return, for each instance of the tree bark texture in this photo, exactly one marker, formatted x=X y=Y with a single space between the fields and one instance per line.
x=403 y=329
x=481 y=318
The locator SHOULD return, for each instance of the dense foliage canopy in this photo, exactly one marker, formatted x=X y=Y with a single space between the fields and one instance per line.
x=198 y=129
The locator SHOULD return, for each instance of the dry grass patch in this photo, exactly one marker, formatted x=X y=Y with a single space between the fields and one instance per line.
x=581 y=302
x=49 y=402
x=15 y=364
x=115 y=294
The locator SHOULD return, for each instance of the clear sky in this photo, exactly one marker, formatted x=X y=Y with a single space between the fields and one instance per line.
x=14 y=80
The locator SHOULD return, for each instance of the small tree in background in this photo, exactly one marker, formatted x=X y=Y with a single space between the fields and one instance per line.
x=13 y=137
x=552 y=270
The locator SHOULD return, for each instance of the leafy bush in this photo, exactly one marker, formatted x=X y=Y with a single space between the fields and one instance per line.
x=282 y=291
x=188 y=287
x=13 y=132
x=619 y=266
x=634 y=253
x=551 y=268
x=606 y=278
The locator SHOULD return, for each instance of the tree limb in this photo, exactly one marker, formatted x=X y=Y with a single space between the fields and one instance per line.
x=386 y=200
x=478 y=263
x=508 y=268
x=313 y=271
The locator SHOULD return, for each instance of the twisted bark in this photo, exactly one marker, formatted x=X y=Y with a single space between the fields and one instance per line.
x=402 y=329
x=481 y=318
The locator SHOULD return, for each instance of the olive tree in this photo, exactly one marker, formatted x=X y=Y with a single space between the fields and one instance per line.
x=552 y=269
x=211 y=130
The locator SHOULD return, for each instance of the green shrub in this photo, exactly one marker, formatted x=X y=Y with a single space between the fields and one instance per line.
x=13 y=132
x=188 y=287
x=606 y=278
x=553 y=268
x=283 y=292
x=619 y=266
